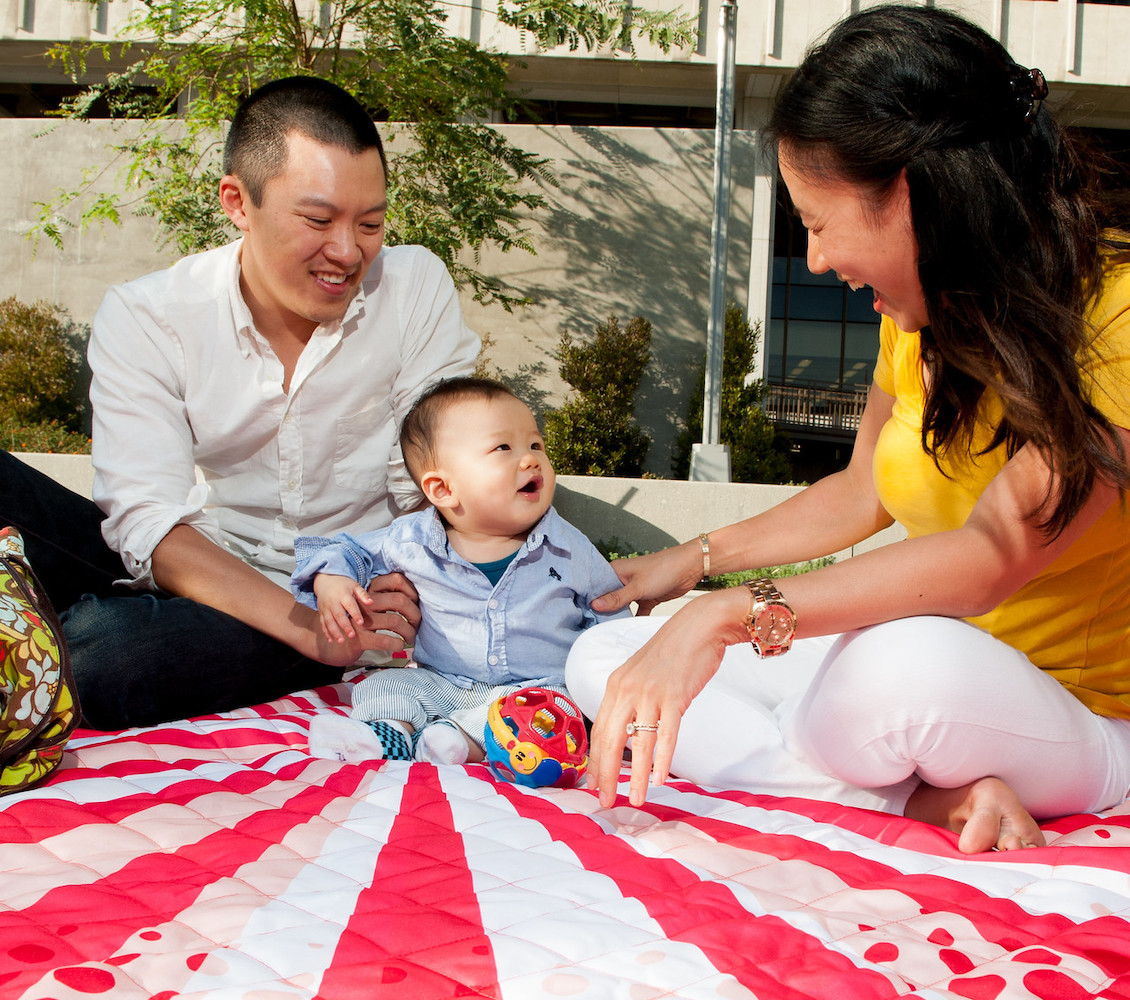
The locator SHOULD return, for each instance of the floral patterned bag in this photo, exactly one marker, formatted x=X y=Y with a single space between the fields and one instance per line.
x=38 y=701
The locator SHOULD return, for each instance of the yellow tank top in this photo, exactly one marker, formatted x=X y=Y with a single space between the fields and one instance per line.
x=1073 y=620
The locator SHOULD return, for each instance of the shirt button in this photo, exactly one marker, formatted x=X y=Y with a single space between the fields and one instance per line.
x=492 y=660
x=292 y=485
x=492 y=604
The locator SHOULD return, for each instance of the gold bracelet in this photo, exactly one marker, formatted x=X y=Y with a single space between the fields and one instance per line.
x=704 y=541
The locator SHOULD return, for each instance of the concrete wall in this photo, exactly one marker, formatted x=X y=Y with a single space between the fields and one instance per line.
x=644 y=514
x=626 y=233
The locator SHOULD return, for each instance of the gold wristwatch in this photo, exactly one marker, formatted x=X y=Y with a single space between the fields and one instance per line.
x=771 y=622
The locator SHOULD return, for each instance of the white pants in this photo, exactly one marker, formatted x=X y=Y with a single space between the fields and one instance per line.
x=862 y=718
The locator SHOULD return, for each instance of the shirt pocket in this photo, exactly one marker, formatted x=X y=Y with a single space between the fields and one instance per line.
x=364 y=445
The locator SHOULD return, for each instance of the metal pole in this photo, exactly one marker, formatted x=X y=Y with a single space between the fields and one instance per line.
x=712 y=396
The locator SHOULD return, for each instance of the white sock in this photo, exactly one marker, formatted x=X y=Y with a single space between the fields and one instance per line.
x=337 y=737
x=442 y=742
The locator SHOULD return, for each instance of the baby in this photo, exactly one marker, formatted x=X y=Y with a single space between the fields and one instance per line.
x=505 y=583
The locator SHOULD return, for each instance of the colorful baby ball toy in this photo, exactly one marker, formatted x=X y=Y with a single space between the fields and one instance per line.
x=536 y=737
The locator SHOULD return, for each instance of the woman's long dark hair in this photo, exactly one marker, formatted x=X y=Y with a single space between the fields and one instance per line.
x=1008 y=214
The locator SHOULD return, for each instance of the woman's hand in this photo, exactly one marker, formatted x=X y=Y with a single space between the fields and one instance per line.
x=652 y=579
x=656 y=686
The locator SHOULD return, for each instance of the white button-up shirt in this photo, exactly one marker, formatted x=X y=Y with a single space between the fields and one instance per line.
x=192 y=426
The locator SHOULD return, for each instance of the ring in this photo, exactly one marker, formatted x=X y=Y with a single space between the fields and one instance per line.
x=640 y=727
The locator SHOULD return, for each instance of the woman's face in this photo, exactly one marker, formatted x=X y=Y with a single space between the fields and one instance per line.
x=862 y=245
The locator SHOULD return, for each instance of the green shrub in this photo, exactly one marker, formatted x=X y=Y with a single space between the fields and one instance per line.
x=724 y=580
x=759 y=453
x=613 y=548
x=594 y=433
x=47 y=436
x=41 y=364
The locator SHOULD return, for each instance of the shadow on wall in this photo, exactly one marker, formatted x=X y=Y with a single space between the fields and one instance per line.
x=628 y=233
x=610 y=523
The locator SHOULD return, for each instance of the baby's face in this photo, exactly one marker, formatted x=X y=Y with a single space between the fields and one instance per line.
x=493 y=457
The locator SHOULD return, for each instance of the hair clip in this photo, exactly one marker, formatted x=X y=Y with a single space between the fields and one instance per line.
x=1029 y=88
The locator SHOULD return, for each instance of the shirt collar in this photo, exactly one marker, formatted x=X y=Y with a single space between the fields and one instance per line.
x=245 y=322
x=436 y=533
x=244 y=326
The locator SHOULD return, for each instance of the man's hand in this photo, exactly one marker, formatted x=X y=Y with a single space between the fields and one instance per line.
x=187 y=564
x=394 y=606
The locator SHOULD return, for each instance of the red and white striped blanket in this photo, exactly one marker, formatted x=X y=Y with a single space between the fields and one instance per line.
x=216 y=858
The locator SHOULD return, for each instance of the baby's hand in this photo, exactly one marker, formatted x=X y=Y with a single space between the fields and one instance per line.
x=340 y=601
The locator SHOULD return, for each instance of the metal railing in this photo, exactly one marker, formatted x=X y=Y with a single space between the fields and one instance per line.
x=815 y=410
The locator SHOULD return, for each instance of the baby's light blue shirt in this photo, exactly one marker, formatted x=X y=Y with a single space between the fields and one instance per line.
x=516 y=632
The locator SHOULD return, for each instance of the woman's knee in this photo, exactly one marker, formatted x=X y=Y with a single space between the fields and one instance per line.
x=586 y=671
x=904 y=670
x=891 y=696
x=598 y=651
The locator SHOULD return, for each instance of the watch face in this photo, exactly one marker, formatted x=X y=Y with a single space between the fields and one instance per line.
x=774 y=624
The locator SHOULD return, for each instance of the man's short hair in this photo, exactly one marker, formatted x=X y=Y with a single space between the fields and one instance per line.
x=420 y=426
x=255 y=150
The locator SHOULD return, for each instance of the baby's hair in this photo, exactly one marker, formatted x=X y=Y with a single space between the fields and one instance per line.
x=418 y=431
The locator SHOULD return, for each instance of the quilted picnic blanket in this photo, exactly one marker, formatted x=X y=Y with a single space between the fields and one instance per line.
x=216 y=858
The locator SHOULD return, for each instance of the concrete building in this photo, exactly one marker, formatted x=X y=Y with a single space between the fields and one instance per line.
x=628 y=230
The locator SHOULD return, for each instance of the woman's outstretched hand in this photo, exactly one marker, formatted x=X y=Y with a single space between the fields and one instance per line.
x=652 y=579
x=655 y=687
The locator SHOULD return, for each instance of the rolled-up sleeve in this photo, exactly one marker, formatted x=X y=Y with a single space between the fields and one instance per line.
x=144 y=473
x=359 y=558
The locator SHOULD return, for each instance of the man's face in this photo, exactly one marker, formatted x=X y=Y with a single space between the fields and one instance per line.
x=308 y=245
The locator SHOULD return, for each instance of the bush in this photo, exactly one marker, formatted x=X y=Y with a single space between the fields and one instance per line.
x=41 y=364
x=614 y=548
x=725 y=580
x=594 y=433
x=47 y=436
x=759 y=453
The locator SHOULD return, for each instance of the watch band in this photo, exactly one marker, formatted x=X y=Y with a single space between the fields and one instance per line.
x=704 y=541
x=763 y=594
x=762 y=591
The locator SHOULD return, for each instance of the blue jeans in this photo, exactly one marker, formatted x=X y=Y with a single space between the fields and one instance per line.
x=139 y=657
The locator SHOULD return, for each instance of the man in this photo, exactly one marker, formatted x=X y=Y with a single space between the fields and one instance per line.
x=242 y=397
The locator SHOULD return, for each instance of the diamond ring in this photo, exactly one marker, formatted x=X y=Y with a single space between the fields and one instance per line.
x=640 y=727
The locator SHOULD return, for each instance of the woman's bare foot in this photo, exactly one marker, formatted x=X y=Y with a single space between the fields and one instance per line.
x=986 y=814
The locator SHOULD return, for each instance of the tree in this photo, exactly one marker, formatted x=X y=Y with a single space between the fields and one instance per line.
x=759 y=453
x=454 y=183
x=41 y=351
x=42 y=378
x=594 y=434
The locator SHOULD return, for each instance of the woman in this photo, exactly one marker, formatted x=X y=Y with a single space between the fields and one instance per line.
x=978 y=673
